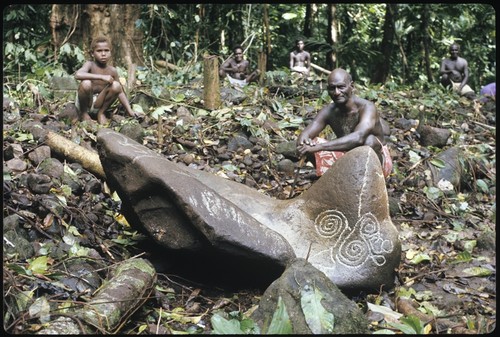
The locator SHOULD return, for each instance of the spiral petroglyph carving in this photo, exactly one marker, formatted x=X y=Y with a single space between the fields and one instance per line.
x=331 y=223
x=353 y=253
x=356 y=245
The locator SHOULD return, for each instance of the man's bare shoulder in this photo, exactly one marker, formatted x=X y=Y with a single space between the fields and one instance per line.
x=364 y=104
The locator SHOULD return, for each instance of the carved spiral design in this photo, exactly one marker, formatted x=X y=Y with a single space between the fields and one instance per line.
x=330 y=223
x=368 y=225
x=354 y=253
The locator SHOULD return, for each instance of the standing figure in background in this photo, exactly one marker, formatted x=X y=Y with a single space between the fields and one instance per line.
x=100 y=85
x=300 y=60
x=237 y=69
x=454 y=72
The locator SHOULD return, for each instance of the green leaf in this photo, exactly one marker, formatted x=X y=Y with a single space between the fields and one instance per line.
x=414 y=157
x=410 y=325
x=289 y=16
x=280 y=323
x=481 y=184
x=222 y=326
x=38 y=265
x=318 y=319
x=478 y=271
x=438 y=162
x=420 y=258
x=464 y=256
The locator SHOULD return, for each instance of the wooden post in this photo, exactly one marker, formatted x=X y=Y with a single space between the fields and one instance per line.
x=211 y=90
x=262 y=65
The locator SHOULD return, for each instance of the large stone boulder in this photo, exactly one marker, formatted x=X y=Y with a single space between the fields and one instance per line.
x=341 y=225
x=314 y=304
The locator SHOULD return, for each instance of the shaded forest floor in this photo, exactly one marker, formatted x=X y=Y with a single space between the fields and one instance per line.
x=448 y=263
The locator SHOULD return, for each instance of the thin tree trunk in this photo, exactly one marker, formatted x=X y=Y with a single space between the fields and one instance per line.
x=425 y=40
x=332 y=36
x=308 y=21
x=384 y=63
x=211 y=91
x=267 y=43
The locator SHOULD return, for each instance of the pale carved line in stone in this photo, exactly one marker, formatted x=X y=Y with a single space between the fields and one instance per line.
x=355 y=245
x=362 y=194
x=216 y=208
x=137 y=149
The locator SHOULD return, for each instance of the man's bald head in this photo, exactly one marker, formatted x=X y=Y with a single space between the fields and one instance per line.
x=340 y=74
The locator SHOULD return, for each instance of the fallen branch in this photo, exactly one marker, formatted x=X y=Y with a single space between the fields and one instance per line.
x=323 y=70
x=165 y=64
x=124 y=293
x=65 y=147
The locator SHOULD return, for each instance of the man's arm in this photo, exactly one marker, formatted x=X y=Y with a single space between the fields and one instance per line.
x=308 y=61
x=228 y=66
x=365 y=127
x=315 y=127
x=292 y=60
x=443 y=69
x=466 y=76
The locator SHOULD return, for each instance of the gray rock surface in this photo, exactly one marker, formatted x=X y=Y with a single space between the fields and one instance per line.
x=341 y=224
x=301 y=284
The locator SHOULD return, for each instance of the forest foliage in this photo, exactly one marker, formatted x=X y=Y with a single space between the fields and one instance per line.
x=181 y=33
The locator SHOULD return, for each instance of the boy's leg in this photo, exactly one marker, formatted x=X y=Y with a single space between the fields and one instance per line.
x=84 y=97
x=107 y=96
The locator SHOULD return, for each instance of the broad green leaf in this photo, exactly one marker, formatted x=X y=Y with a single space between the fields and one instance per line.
x=438 y=162
x=38 y=265
x=318 y=319
x=464 y=256
x=160 y=111
x=414 y=157
x=481 y=184
x=420 y=258
x=384 y=332
x=178 y=98
x=433 y=193
x=477 y=271
x=137 y=108
x=410 y=325
x=469 y=245
x=222 y=326
x=280 y=323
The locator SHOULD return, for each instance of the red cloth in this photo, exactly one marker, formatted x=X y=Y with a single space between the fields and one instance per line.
x=325 y=159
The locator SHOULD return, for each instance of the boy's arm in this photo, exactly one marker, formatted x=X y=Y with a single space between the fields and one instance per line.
x=84 y=73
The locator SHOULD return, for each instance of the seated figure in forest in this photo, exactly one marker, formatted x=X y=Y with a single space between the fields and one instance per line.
x=355 y=122
x=454 y=73
x=237 y=69
x=300 y=60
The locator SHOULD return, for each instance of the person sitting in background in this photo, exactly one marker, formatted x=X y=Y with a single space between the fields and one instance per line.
x=355 y=122
x=100 y=85
x=300 y=60
x=237 y=69
x=454 y=72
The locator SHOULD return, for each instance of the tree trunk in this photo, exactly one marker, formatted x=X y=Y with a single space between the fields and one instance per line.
x=426 y=42
x=383 y=65
x=79 y=24
x=308 y=21
x=332 y=37
x=211 y=91
x=267 y=44
x=262 y=65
